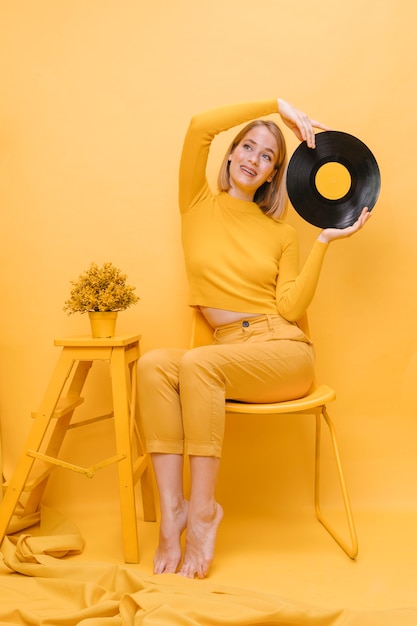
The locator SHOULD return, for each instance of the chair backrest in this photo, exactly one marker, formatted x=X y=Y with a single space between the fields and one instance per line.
x=202 y=332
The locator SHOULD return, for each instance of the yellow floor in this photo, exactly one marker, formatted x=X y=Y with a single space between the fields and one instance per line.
x=289 y=560
x=292 y=556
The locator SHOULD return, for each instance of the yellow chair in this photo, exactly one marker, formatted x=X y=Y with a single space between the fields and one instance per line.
x=313 y=403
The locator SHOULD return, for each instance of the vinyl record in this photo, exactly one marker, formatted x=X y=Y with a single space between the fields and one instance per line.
x=329 y=185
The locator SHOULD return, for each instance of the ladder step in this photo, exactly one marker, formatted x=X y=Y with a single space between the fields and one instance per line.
x=92 y=420
x=63 y=407
x=38 y=476
x=18 y=523
x=35 y=478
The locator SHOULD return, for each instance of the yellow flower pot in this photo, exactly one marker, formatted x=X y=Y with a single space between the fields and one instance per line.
x=103 y=324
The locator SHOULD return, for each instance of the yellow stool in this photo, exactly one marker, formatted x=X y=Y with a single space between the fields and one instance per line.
x=40 y=453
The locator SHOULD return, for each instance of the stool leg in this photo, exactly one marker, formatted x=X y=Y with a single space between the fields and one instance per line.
x=141 y=466
x=121 y=398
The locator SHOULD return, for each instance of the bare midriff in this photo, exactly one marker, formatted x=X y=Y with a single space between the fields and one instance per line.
x=219 y=317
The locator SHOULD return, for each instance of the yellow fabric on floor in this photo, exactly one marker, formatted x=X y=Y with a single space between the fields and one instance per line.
x=58 y=537
x=96 y=593
x=40 y=589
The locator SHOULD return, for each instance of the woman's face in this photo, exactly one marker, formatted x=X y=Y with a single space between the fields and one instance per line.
x=252 y=162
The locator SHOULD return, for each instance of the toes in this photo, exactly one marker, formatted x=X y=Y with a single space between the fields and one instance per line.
x=191 y=570
x=187 y=571
x=166 y=563
x=170 y=569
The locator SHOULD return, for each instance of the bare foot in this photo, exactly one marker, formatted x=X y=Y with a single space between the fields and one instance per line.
x=199 y=547
x=168 y=554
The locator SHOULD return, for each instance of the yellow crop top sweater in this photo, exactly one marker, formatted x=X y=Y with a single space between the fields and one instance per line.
x=236 y=257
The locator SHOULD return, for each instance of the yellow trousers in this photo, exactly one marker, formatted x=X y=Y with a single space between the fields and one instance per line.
x=182 y=393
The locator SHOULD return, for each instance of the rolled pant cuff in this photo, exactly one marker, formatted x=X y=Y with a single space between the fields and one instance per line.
x=165 y=447
x=207 y=448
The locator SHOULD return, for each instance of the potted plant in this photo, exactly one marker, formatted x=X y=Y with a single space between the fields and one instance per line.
x=101 y=291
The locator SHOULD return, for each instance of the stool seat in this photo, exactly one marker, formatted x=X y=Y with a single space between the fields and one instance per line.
x=53 y=419
x=86 y=341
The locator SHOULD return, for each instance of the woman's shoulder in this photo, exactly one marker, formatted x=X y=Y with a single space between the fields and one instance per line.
x=286 y=228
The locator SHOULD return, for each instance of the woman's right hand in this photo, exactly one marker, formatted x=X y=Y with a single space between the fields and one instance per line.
x=331 y=234
x=300 y=123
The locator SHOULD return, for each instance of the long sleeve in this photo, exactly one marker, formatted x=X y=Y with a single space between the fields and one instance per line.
x=295 y=290
x=203 y=128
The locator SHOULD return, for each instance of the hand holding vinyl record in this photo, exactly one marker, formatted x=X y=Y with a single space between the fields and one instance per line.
x=300 y=123
x=330 y=185
x=331 y=234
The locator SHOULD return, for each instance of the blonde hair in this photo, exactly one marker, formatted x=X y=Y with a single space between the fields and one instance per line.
x=271 y=197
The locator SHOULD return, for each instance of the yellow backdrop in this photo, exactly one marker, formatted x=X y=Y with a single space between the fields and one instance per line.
x=95 y=98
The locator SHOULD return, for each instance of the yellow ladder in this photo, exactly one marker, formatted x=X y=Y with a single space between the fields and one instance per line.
x=53 y=419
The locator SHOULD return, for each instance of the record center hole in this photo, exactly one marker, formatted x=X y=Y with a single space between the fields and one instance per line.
x=333 y=180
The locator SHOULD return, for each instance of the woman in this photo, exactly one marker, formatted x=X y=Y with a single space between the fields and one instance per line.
x=242 y=266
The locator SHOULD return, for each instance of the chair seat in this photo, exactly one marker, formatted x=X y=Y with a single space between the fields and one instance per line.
x=316 y=398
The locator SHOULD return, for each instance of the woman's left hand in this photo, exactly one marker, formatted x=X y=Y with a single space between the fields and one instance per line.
x=300 y=123
x=330 y=234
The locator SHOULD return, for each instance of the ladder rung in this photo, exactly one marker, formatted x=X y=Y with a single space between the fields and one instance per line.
x=38 y=477
x=63 y=407
x=18 y=523
x=35 y=478
x=87 y=471
x=92 y=420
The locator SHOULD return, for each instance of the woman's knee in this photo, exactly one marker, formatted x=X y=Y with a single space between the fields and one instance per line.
x=157 y=364
x=197 y=362
x=150 y=361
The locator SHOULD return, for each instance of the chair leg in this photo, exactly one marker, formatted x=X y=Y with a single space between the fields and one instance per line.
x=352 y=550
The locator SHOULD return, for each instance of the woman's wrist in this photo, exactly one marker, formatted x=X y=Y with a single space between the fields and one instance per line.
x=322 y=237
